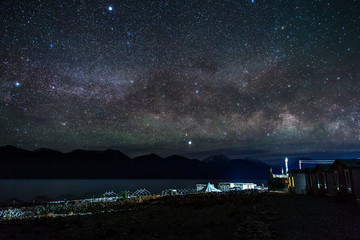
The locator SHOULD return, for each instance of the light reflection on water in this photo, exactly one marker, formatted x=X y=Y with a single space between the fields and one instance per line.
x=59 y=189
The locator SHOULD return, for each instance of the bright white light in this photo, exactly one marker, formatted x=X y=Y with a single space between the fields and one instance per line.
x=17 y=84
x=190 y=142
x=110 y=8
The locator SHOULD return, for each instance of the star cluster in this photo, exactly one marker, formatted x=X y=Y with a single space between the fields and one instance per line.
x=181 y=76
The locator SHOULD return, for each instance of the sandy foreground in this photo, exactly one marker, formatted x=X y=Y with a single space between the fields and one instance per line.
x=259 y=216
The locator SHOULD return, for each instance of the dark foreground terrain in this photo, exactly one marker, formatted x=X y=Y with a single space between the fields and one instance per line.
x=259 y=216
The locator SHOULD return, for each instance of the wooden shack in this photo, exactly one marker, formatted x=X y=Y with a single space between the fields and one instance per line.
x=347 y=179
x=320 y=174
x=310 y=181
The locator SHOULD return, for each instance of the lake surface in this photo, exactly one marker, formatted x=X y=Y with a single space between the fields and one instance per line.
x=58 y=189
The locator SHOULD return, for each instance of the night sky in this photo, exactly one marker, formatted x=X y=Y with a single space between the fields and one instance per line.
x=245 y=78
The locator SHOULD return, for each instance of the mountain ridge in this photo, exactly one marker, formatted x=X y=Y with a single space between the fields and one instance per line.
x=46 y=163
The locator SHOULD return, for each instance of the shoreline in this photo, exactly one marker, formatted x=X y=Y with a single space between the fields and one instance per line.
x=206 y=216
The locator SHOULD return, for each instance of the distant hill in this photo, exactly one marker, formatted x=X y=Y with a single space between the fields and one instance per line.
x=112 y=164
x=216 y=158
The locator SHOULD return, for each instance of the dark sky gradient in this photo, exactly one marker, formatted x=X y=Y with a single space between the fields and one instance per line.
x=246 y=78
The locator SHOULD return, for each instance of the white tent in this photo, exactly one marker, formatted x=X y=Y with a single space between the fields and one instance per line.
x=210 y=188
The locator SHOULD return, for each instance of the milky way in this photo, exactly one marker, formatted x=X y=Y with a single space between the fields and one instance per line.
x=181 y=76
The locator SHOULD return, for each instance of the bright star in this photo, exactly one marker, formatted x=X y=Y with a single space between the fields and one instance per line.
x=110 y=8
x=190 y=142
x=17 y=84
x=51 y=45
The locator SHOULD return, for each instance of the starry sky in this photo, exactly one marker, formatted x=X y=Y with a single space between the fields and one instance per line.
x=245 y=78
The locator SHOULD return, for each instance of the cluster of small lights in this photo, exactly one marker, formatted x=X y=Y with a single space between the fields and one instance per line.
x=225 y=74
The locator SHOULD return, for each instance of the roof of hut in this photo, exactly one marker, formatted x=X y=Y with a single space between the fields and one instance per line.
x=351 y=163
x=322 y=167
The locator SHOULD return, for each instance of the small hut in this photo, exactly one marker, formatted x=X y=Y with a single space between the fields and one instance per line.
x=279 y=181
x=310 y=181
x=331 y=191
x=321 y=187
x=347 y=179
x=297 y=181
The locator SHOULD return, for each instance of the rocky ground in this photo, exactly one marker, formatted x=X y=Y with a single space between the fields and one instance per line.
x=207 y=216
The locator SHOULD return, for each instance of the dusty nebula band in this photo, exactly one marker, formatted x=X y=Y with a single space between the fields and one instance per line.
x=181 y=76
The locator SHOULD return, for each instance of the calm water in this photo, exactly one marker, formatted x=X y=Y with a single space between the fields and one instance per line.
x=29 y=190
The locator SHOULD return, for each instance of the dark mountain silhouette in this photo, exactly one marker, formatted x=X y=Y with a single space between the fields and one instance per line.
x=112 y=164
x=216 y=158
x=241 y=169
